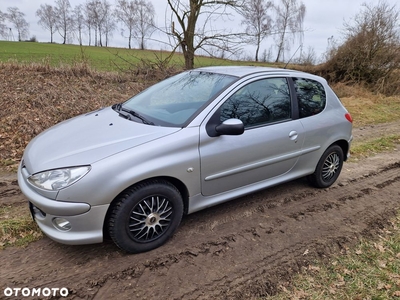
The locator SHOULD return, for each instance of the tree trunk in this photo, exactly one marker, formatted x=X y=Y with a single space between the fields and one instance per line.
x=189 y=61
x=189 y=35
x=188 y=54
x=279 y=51
x=257 y=50
x=100 y=42
x=65 y=36
x=258 y=46
x=90 y=35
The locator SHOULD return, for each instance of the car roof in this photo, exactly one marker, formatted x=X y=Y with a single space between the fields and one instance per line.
x=241 y=71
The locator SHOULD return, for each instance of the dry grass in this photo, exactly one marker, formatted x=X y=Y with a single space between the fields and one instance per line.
x=368 y=271
x=367 y=107
x=36 y=96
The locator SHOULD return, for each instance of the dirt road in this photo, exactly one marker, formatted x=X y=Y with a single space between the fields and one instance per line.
x=239 y=250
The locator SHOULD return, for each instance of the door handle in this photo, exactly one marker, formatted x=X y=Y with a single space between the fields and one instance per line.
x=293 y=135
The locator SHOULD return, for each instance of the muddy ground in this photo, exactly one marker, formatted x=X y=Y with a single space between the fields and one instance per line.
x=239 y=250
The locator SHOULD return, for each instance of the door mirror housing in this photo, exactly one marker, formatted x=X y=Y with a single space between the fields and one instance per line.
x=230 y=127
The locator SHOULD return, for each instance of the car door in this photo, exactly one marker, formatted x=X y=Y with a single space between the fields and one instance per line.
x=269 y=147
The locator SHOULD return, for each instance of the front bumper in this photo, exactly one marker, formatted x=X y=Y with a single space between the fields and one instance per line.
x=86 y=221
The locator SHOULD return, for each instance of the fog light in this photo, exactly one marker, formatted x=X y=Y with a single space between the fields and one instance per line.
x=62 y=224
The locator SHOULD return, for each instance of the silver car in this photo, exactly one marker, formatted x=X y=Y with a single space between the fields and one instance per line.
x=192 y=141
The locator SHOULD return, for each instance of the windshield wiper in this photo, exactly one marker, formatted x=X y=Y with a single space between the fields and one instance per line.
x=139 y=116
x=129 y=113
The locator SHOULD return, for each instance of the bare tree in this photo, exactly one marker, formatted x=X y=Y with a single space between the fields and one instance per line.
x=64 y=18
x=108 y=24
x=125 y=13
x=88 y=19
x=95 y=14
x=47 y=18
x=267 y=54
x=145 y=24
x=79 y=21
x=3 y=27
x=257 y=21
x=307 y=58
x=137 y=16
x=101 y=14
x=331 y=48
x=16 y=17
x=289 y=23
x=191 y=37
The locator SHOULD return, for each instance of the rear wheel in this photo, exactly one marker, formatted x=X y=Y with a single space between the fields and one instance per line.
x=328 y=168
x=145 y=216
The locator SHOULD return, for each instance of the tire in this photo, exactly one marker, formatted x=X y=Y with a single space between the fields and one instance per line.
x=328 y=168
x=145 y=216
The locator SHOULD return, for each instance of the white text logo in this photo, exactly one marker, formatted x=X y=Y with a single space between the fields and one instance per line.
x=40 y=292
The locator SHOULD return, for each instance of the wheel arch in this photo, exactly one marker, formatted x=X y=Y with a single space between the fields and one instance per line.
x=342 y=144
x=345 y=147
x=174 y=181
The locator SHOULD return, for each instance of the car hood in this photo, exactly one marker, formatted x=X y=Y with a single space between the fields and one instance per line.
x=88 y=138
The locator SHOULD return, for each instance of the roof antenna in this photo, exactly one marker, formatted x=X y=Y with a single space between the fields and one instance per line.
x=301 y=45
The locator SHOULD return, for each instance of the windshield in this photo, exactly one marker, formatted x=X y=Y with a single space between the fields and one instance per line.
x=176 y=100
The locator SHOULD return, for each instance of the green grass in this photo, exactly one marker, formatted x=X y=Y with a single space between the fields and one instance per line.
x=360 y=149
x=17 y=227
x=99 y=58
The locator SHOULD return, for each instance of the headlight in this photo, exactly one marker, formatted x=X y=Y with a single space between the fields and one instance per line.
x=54 y=180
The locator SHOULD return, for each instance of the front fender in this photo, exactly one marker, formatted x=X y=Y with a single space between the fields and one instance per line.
x=175 y=156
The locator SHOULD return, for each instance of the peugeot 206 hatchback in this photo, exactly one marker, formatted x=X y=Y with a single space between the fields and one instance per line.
x=192 y=141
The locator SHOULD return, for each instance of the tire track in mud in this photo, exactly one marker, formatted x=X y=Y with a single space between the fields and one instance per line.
x=299 y=241
x=238 y=250
x=10 y=193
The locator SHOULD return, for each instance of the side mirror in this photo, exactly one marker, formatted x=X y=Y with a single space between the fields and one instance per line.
x=230 y=127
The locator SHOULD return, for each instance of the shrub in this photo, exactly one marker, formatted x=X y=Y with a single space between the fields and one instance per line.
x=32 y=39
x=371 y=51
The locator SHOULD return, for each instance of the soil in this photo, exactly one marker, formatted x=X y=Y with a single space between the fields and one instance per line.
x=243 y=249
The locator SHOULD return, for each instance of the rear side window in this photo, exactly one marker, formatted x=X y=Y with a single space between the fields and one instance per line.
x=310 y=96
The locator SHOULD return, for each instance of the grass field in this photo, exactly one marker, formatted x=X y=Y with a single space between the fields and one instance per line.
x=99 y=58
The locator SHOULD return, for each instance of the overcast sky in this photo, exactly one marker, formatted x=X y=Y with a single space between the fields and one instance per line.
x=324 y=19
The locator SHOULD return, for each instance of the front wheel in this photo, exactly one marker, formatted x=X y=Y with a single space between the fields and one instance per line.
x=145 y=216
x=328 y=168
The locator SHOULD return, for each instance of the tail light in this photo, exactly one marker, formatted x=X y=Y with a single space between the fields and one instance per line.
x=349 y=118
